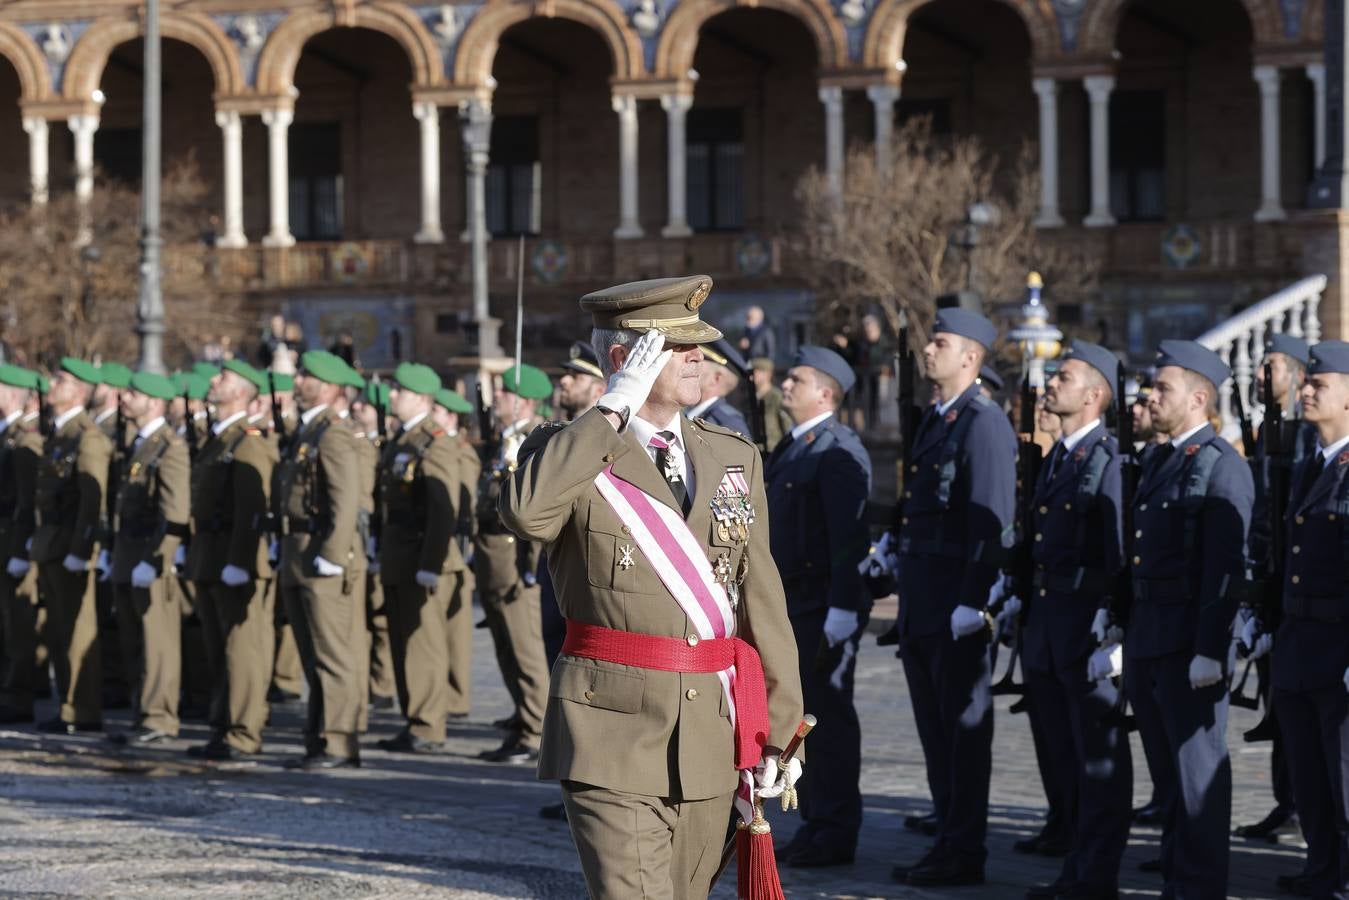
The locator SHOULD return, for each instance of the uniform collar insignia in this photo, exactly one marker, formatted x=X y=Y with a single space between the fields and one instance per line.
x=1342 y=459
x=1192 y=449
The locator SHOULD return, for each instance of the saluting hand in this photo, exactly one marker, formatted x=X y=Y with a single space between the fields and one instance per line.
x=631 y=384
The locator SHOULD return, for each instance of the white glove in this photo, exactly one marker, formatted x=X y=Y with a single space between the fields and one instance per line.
x=371 y=548
x=143 y=575
x=325 y=568
x=965 y=620
x=629 y=386
x=103 y=565
x=427 y=579
x=180 y=557
x=73 y=563
x=1104 y=629
x=1231 y=656
x=1011 y=608
x=770 y=781
x=17 y=568
x=1205 y=672
x=233 y=576
x=1106 y=662
x=881 y=559
x=839 y=625
x=1263 y=644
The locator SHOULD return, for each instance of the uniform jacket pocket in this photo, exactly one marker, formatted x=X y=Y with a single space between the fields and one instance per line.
x=586 y=683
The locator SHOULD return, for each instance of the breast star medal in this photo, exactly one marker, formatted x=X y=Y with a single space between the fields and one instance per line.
x=625 y=561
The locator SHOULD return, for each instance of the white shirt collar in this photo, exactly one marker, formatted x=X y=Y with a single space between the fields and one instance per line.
x=104 y=416
x=644 y=431
x=1333 y=450
x=61 y=420
x=342 y=414
x=1180 y=439
x=151 y=428
x=412 y=422
x=10 y=420
x=1076 y=437
x=701 y=407
x=514 y=428
x=310 y=414
x=220 y=426
x=809 y=424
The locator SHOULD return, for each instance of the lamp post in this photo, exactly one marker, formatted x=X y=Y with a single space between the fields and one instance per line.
x=150 y=306
x=980 y=215
x=1039 y=340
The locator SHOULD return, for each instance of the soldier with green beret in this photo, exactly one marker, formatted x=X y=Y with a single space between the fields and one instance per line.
x=506 y=569
x=153 y=512
x=287 y=672
x=228 y=564
x=318 y=502
x=70 y=498
x=119 y=673
x=25 y=668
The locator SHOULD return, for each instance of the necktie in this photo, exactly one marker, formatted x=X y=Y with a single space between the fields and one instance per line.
x=1308 y=479
x=662 y=441
x=1055 y=457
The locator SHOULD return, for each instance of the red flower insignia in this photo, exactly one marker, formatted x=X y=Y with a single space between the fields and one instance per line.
x=951 y=416
x=1081 y=454
x=810 y=437
x=1342 y=459
x=1192 y=449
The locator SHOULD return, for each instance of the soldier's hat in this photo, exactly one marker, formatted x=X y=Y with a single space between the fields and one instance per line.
x=192 y=385
x=417 y=378
x=325 y=366
x=1195 y=357
x=17 y=376
x=1294 y=347
x=377 y=394
x=206 y=370
x=667 y=305
x=247 y=372
x=152 y=384
x=583 y=359
x=761 y=364
x=453 y=401
x=1096 y=356
x=828 y=362
x=966 y=323
x=1329 y=357
x=989 y=376
x=84 y=371
x=115 y=375
x=528 y=382
x=722 y=353
x=284 y=381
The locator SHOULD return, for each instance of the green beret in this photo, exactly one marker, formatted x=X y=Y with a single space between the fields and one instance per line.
x=417 y=378
x=247 y=372
x=115 y=374
x=376 y=394
x=86 y=372
x=354 y=378
x=191 y=384
x=44 y=383
x=453 y=401
x=16 y=376
x=205 y=370
x=283 y=381
x=153 y=385
x=528 y=382
x=325 y=366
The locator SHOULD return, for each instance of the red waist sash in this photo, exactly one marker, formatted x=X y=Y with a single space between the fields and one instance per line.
x=749 y=693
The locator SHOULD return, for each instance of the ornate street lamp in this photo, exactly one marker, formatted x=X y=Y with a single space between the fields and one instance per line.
x=1039 y=340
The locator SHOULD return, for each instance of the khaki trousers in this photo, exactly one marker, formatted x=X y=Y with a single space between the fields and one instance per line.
x=514 y=619
x=459 y=637
x=25 y=672
x=633 y=846
x=72 y=641
x=287 y=673
x=381 y=651
x=421 y=654
x=328 y=616
x=237 y=625
x=150 y=627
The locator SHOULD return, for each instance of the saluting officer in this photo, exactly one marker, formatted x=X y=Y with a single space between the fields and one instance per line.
x=722 y=365
x=153 y=511
x=1191 y=516
x=448 y=412
x=1311 y=650
x=20 y=455
x=959 y=506
x=1077 y=552
x=318 y=500
x=817 y=482
x=228 y=564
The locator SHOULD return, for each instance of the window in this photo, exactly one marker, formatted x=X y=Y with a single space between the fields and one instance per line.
x=1138 y=155
x=316 y=181
x=716 y=170
x=118 y=153
x=514 y=192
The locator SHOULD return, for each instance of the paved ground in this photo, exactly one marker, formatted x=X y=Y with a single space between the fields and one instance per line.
x=79 y=817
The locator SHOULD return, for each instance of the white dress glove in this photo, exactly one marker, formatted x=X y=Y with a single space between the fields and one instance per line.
x=770 y=781
x=1255 y=639
x=325 y=568
x=17 y=568
x=1104 y=629
x=73 y=563
x=233 y=576
x=839 y=625
x=104 y=565
x=1011 y=608
x=427 y=579
x=629 y=386
x=180 y=557
x=1107 y=662
x=965 y=620
x=881 y=559
x=1205 y=672
x=143 y=575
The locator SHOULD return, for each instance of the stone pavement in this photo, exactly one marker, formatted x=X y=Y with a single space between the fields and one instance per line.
x=80 y=817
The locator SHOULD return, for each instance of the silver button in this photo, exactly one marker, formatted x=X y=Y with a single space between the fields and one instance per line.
x=691 y=693
x=693 y=640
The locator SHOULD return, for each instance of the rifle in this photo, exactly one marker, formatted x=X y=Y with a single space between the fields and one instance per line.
x=1120 y=601
x=115 y=475
x=1248 y=445
x=489 y=443
x=190 y=427
x=1029 y=460
x=278 y=419
x=908 y=424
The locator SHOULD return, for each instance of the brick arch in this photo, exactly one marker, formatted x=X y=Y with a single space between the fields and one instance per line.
x=884 y=43
x=281 y=53
x=35 y=82
x=1100 y=24
x=1314 y=22
x=679 y=37
x=84 y=69
x=478 y=46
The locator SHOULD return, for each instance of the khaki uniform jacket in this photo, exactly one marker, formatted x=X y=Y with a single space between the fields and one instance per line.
x=153 y=504
x=231 y=481
x=645 y=731
x=20 y=453
x=420 y=481
x=70 y=485
x=319 y=490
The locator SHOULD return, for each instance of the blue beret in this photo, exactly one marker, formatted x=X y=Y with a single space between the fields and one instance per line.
x=720 y=351
x=988 y=376
x=1288 y=345
x=1096 y=356
x=966 y=323
x=828 y=362
x=1329 y=357
x=1193 y=356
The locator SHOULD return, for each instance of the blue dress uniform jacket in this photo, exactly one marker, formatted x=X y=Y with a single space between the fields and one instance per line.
x=1311 y=653
x=727 y=416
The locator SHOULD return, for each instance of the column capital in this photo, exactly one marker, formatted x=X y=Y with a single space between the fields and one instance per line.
x=1045 y=87
x=279 y=117
x=625 y=104
x=1099 y=86
x=424 y=110
x=831 y=94
x=1316 y=71
x=883 y=93
x=84 y=122
x=227 y=118
x=676 y=102
x=1267 y=76
x=35 y=124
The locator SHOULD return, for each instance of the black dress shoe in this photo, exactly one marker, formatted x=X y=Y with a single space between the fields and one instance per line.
x=277 y=695
x=457 y=717
x=10 y=715
x=382 y=704
x=140 y=736
x=218 y=751
x=1150 y=865
x=1297 y=885
x=901 y=872
x=1053 y=845
x=1266 y=826
x=1151 y=814
x=1048 y=891
x=406 y=742
x=510 y=723
x=554 y=812
x=820 y=856
x=321 y=761
x=946 y=871
x=61 y=726
x=924 y=824
x=512 y=751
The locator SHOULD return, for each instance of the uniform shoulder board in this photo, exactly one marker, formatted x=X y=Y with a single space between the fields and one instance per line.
x=249 y=429
x=714 y=428
x=982 y=401
x=437 y=432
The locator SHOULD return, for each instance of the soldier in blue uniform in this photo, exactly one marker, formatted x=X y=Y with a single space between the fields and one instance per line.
x=1311 y=650
x=957 y=526
x=722 y=369
x=1191 y=517
x=1077 y=552
x=818 y=480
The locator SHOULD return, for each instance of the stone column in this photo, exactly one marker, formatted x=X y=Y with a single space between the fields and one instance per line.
x=278 y=176
x=1271 y=209
x=428 y=114
x=676 y=108
x=1098 y=91
x=832 y=98
x=883 y=99
x=629 y=225
x=83 y=127
x=1047 y=91
x=38 y=158
x=475 y=119
x=1316 y=74
x=231 y=127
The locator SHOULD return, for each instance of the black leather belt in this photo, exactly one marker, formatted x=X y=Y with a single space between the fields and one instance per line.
x=1070 y=582
x=298 y=525
x=1318 y=609
x=1161 y=589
